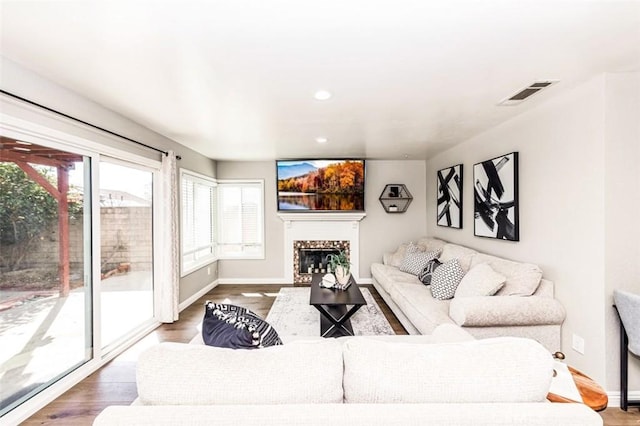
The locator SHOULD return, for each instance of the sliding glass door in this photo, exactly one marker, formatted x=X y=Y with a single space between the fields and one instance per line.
x=126 y=249
x=45 y=267
x=76 y=261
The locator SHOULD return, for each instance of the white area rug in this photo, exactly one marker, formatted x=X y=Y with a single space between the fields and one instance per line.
x=291 y=315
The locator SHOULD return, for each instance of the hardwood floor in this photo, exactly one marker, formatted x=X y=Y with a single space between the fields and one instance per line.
x=114 y=384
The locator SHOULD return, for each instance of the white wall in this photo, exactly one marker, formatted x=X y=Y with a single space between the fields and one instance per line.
x=579 y=203
x=622 y=198
x=561 y=146
x=379 y=231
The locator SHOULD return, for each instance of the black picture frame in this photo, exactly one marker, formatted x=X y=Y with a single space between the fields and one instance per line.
x=394 y=191
x=495 y=193
x=449 y=196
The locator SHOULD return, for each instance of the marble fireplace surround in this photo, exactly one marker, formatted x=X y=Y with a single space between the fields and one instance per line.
x=326 y=227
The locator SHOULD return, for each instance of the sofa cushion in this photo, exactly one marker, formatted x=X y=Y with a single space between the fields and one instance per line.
x=522 y=279
x=454 y=251
x=396 y=258
x=481 y=280
x=521 y=414
x=445 y=280
x=295 y=373
x=388 y=276
x=235 y=327
x=506 y=369
x=419 y=306
x=427 y=272
x=431 y=244
x=414 y=262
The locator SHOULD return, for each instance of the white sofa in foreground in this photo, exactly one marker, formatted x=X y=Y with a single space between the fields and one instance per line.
x=395 y=380
x=523 y=307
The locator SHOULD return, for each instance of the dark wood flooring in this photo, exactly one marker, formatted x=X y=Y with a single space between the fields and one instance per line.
x=114 y=384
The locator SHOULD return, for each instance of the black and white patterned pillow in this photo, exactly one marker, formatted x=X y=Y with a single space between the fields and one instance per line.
x=235 y=327
x=445 y=280
x=427 y=272
x=414 y=262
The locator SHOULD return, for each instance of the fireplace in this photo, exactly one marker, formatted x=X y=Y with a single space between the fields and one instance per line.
x=308 y=230
x=311 y=256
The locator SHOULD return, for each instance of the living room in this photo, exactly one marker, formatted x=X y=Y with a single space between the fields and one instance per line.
x=577 y=140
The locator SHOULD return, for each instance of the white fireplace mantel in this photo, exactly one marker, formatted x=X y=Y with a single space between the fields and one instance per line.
x=322 y=217
x=321 y=226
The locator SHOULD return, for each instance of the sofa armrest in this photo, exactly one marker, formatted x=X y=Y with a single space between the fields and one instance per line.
x=486 y=311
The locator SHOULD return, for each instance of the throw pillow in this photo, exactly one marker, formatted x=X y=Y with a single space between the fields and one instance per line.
x=481 y=280
x=413 y=247
x=414 y=262
x=235 y=327
x=445 y=280
x=427 y=273
x=395 y=259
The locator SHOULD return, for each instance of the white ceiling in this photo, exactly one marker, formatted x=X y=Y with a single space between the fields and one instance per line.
x=234 y=79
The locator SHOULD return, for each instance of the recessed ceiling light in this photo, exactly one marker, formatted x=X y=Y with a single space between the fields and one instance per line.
x=322 y=95
x=321 y=139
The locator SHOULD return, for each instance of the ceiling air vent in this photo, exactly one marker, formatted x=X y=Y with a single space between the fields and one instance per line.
x=526 y=92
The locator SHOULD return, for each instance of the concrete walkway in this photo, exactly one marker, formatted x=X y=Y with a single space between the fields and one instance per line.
x=46 y=336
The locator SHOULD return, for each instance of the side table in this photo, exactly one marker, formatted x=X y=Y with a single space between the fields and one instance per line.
x=593 y=395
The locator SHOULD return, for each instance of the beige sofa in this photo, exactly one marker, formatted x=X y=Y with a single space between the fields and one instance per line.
x=524 y=307
x=446 y=378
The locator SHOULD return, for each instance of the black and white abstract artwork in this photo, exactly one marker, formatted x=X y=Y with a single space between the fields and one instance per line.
x=495 y=192
x=450 y=197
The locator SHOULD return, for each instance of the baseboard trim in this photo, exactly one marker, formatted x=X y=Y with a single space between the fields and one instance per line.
x=197 y=295
x=614 y=397
x=280 y=281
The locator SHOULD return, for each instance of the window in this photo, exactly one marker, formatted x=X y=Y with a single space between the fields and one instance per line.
x=198 y=232
x=241 y=219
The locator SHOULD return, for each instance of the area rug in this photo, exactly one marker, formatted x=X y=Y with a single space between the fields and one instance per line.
x=291 y=315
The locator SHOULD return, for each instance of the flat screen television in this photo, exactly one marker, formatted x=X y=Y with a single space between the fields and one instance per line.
x=320 y=185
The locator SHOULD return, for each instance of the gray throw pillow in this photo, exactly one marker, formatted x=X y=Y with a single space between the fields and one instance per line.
x=414 y=262
x=445 y=280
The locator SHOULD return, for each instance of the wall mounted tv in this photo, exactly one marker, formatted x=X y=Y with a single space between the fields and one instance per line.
x=320 y=185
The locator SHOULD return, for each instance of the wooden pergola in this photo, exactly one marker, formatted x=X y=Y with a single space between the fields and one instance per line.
x=23 y=154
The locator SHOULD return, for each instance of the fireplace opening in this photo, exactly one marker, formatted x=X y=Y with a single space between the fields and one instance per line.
x=316 y=260
x=312 y=257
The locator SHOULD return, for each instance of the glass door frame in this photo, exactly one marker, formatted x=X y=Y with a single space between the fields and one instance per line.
x=20 y=121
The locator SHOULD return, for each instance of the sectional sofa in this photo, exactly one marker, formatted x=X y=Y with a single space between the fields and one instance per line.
x=523 y=306
x=447 y=378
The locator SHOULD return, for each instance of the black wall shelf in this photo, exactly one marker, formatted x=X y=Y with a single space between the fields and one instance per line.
x=395 y=198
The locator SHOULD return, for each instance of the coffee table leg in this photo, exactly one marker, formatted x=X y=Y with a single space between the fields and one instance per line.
x=338 y=325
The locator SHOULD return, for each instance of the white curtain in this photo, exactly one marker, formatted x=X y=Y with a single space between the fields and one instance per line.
x=168 y=278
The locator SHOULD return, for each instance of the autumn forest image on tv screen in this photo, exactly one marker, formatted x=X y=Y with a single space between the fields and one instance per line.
x=320 y=185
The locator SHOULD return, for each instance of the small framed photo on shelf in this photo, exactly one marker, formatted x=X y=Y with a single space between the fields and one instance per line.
x=394 y=191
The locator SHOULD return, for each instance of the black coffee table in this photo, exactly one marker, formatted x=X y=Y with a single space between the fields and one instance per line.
x=336 y=307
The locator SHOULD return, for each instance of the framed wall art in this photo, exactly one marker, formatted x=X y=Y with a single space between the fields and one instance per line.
x=495 y=193
x=449 y=201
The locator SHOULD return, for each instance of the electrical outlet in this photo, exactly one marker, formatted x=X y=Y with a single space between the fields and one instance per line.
x=578 y=344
